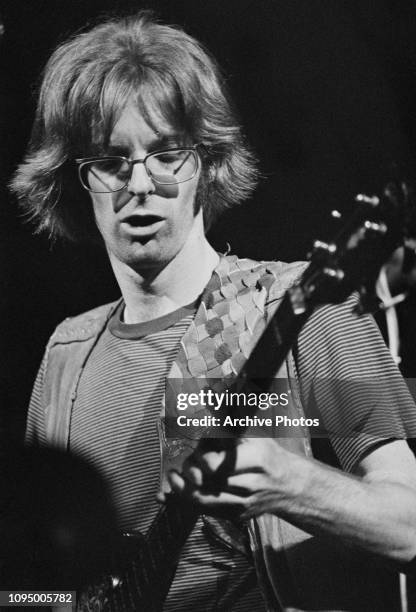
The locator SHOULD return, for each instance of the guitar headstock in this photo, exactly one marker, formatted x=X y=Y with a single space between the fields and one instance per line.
x=353 y=259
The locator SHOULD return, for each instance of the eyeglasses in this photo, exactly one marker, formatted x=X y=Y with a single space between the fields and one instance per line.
x=113 y=172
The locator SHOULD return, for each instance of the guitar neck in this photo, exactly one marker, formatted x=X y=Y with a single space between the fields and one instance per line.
x=276 y=340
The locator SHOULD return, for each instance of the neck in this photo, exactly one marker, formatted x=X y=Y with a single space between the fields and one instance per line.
x=153 y=293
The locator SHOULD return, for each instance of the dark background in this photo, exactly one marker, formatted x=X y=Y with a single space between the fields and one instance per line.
x=326 y=90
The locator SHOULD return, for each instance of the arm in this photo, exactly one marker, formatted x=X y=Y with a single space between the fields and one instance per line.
x=374 y=510
x=374 y=506
x=35 y=429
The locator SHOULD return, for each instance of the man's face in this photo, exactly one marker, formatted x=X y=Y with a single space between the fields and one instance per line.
x=145 y=225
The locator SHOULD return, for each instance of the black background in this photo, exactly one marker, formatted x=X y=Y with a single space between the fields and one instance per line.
x=326 y=90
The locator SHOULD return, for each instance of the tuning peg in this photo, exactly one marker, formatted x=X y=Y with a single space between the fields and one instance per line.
x=324 y=246
x=373 y=201
x=379 y=228
x=334 y=273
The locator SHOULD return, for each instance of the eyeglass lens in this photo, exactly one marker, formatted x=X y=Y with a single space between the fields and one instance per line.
x=113 y=173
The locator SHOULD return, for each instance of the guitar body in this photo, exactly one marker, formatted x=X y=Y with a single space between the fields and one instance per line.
x=144 y=566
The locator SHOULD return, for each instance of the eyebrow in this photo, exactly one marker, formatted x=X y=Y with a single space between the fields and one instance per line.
x=158 y=143
x=115 y=149
x=167 y=140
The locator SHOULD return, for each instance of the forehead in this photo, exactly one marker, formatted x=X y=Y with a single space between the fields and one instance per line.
x=134 y=131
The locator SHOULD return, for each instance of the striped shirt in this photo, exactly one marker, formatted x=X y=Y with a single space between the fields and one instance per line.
x=113 y=426
x=348 y=378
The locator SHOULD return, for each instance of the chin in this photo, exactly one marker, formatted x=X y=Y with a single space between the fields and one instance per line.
x=149 y=259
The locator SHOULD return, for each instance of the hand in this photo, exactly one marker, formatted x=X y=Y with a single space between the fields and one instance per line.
x=374 y=510
x=245 y=480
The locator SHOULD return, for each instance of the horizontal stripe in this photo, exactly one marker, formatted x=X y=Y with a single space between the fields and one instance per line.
x=347 y=374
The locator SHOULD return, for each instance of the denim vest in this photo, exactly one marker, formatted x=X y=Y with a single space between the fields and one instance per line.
x=296 y=571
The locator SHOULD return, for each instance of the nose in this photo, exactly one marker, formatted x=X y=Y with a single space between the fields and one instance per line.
x=140 y=182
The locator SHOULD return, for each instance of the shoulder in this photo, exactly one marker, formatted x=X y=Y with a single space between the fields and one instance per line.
x=339 y=325
x=83 y=326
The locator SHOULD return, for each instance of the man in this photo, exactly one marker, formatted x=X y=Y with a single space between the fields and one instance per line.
x=141 y=109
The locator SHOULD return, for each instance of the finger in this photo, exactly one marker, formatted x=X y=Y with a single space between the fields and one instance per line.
x=177 y=482
x=161 y=497
x=245 y=484
x=231 y=505
x=242 y=485
x=193 y=474
x=184 y=486
x=180 y=485
x=223 y=501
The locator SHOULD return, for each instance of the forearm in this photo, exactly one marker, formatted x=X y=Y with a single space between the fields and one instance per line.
x=373 y=513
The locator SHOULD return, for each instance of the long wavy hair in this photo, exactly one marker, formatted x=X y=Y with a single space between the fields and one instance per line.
x=87 y=83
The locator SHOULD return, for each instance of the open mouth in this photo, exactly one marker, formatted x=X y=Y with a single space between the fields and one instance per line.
x=142 y=220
